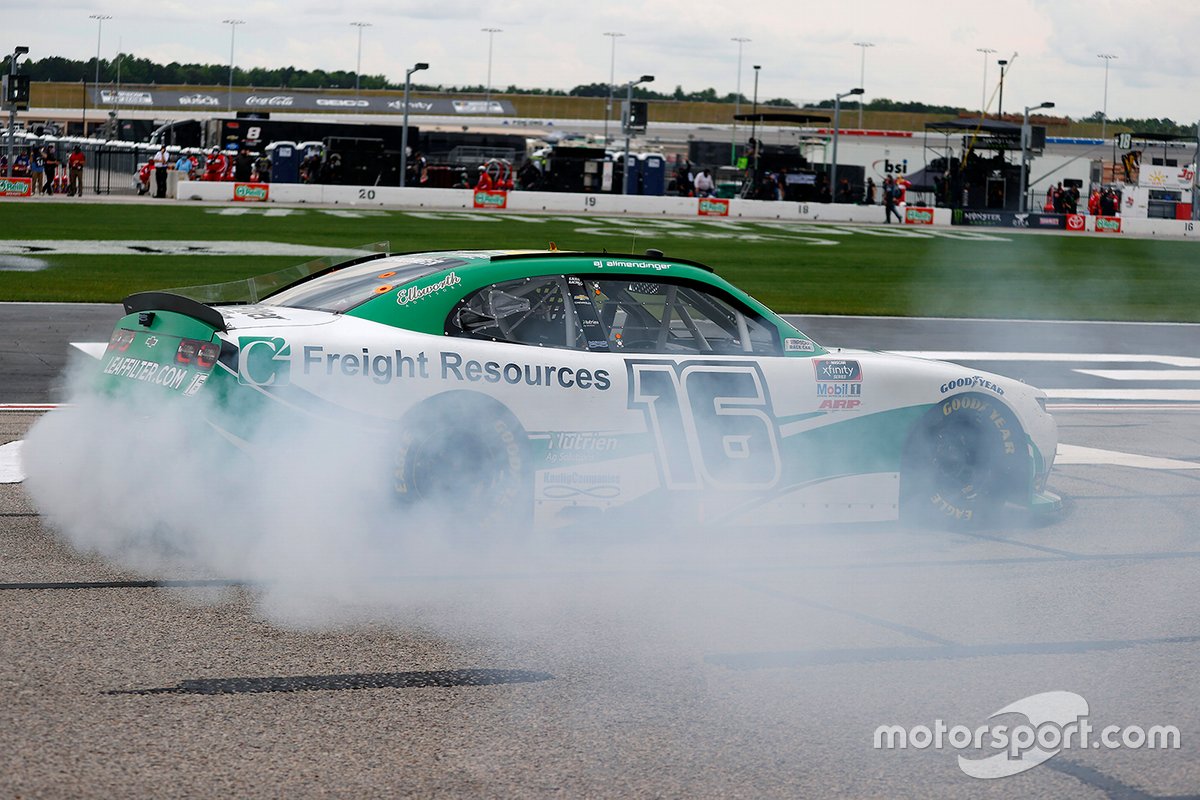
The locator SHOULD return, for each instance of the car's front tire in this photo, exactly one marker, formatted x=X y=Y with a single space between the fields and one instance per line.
x=962 y=463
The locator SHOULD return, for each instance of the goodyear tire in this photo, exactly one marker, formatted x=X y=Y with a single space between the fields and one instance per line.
x=465 y=460
x=962 y=462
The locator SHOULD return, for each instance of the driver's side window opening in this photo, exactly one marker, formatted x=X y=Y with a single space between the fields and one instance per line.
x=640 y=316
x=530 y=311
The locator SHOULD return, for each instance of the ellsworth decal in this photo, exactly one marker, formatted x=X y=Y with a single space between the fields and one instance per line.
x=406 y=296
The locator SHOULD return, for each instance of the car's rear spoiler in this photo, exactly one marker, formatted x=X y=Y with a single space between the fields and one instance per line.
x=165 y=301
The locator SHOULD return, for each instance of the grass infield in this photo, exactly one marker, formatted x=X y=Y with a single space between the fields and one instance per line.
x=802 y=268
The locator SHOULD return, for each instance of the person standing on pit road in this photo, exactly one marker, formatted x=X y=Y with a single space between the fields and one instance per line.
x=37 y=169
x=161 y=162
x=484 y=184
x=20 y=167
x=214 y=166
x=75 y=163
x=51 y=165
x=262 y=165
x=891 y=193
x=704 y=185
x=243 y=165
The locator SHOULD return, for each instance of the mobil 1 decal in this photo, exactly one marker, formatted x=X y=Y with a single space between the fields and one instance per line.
x=712 y=422
x=839 y=383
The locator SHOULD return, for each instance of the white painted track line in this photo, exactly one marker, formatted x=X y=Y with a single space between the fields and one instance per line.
x=10 y=463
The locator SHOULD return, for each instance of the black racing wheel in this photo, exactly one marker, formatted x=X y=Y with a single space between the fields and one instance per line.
x=465 y=460
x=962 y=462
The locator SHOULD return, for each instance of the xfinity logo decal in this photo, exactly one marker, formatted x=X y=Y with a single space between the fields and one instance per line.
x=836 y=369
x=264 y=361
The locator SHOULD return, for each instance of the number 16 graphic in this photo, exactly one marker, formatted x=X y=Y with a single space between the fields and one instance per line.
x=711 y=423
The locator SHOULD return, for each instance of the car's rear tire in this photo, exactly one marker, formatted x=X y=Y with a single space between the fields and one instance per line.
x=962 y=463
x=465 y=459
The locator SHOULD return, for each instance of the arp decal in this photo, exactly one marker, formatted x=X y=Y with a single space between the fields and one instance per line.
x=712 y=423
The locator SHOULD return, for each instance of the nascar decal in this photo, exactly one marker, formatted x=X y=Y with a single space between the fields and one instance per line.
x=406 y=296
x=975 y=381
x=712 y=422
x=839 y=383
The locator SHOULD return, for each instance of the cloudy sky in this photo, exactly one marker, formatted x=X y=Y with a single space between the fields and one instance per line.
x=924 y=50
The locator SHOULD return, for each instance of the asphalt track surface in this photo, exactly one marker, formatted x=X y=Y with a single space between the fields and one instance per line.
x=752 y=667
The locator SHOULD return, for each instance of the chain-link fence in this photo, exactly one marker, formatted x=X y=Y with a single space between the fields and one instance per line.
x=110 y=167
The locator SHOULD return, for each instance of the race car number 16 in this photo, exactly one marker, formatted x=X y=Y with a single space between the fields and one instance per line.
x=711 y=423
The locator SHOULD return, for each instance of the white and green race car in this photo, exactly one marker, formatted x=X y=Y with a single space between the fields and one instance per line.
x=552 y=386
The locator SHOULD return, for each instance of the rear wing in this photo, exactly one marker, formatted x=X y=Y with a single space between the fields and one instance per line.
x=149 y=302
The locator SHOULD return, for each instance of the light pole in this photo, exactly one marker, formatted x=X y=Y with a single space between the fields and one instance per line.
x=754 y=126
x=862 y=74
x=837 y=112
x=12 y=110
x=737 y=101
x=232 y=23
x=1000 y=113
x=629 y=110
x=612 y=76
x=1104 y=114
x=1025 y=131
x=358 y=64
x=987 y=51
x=404 y=132
x=99 y=27
x=491 y=32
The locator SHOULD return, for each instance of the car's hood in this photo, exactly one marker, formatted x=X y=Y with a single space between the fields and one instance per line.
x=949 y=378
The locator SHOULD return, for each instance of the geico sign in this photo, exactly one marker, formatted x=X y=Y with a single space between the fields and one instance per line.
x=321 y=101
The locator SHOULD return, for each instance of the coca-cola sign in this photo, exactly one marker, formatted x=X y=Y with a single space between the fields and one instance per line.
x=273 y=101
